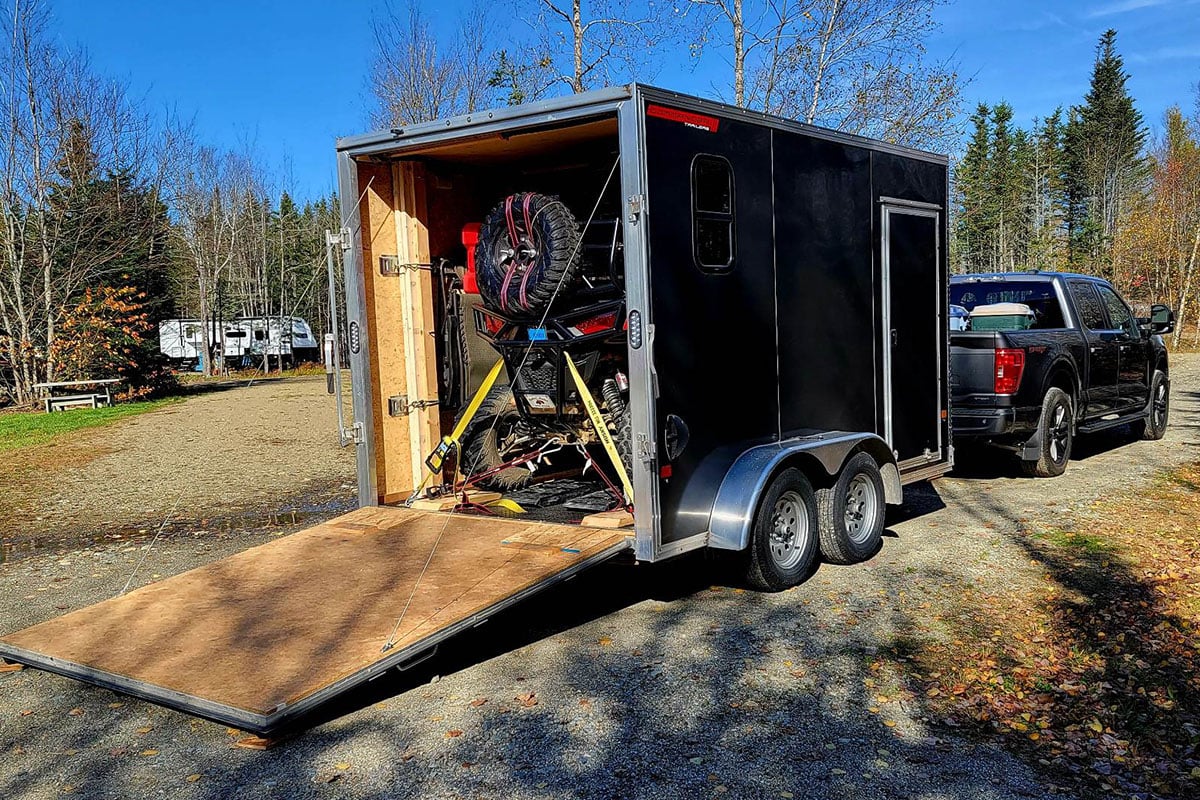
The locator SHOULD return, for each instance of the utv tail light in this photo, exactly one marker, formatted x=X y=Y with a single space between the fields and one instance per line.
x=1010 y=364
x=603 y=322
x=491 y=324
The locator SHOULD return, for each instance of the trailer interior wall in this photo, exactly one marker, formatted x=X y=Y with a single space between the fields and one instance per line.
x=414 y=204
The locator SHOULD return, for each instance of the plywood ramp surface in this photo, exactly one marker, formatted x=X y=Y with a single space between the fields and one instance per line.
x=268 y=627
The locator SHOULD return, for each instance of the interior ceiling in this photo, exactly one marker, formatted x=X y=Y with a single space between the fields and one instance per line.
x=518 y=144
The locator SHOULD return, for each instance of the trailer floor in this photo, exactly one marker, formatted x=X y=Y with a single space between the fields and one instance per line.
x=264 y=636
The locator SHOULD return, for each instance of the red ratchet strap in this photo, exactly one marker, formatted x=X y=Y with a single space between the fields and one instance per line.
x=511 y=272
x=524 y=300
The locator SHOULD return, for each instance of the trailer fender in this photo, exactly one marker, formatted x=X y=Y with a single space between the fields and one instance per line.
x=744 y=483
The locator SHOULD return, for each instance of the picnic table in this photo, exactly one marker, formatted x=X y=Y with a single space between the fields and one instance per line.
x=61 y=395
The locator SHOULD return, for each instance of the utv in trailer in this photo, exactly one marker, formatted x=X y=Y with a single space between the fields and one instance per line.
x=623 y=322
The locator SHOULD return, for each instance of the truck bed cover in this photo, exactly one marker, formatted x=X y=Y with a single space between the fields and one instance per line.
x=262 y=637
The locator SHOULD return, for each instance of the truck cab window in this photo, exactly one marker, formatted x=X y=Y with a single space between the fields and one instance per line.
x=1091 y=312
x=1038 y=297
x=712 y=213
x=1118 y=313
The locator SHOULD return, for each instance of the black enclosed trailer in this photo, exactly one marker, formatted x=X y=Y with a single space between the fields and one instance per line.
x=775 y=313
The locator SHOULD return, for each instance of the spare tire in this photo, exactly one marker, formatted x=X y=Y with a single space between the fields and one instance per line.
x=528 y=249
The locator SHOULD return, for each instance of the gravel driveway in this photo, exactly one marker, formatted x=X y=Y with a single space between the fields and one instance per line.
x=629 y=682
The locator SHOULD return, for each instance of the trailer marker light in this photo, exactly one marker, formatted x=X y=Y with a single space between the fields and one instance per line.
x=1010 y=365
x=664 y=471
x=698 y=121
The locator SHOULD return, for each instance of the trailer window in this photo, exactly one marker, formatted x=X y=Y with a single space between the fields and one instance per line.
x=712 y=213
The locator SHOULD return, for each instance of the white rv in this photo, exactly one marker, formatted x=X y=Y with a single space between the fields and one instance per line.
x=243 y=340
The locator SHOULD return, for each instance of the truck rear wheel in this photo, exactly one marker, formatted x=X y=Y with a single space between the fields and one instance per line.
x=1154 y=427
x=852 y=512
x=783 y=541
x=1056 y=431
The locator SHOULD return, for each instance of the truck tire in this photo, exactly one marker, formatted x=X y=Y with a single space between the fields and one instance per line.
x=783 y=541
x=1154 y=427
x=852 y=511
x=482 y=447
x=523 y=279
x=1057 y=434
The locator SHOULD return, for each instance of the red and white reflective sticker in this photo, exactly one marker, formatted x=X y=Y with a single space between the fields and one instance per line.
x=699 y=121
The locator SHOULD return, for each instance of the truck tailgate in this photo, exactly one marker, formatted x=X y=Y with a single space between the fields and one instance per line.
x=262 y=637
x=972 y=368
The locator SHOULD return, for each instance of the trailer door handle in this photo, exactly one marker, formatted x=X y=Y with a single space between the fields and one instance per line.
x=895 y=338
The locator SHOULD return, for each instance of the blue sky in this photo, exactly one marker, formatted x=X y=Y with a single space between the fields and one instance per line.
x=288 y=77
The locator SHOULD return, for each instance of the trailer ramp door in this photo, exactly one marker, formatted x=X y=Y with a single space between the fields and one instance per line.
x=260 y=638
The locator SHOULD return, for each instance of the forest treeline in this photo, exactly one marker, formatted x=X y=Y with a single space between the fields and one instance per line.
x=1086 y=189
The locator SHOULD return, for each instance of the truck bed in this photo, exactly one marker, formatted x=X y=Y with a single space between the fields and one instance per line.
x=262 y=637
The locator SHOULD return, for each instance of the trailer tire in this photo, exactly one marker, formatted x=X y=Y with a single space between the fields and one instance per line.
x=480 y=446
x=523 y=280
x=1154 y=427
x=852 y=511
x=783 y=541
x=1056 y=435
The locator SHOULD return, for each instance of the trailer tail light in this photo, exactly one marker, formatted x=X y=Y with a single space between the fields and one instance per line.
x=1010 y=364
x=603 y=322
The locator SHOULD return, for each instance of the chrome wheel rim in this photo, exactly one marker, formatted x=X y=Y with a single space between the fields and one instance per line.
x=789 y=530
x=1059 y=434
x=1161 y=401
x=861 y=504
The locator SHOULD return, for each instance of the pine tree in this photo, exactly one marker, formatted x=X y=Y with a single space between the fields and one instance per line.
x=970 y=181
x=1003 y=190
x=1105 y=167
x=1047 y=246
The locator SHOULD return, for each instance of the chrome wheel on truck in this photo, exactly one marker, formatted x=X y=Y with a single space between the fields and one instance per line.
x=783 y=542
x=852 y=512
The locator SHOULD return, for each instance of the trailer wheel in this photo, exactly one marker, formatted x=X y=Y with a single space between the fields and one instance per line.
x=492 y=439
x=528 y=249
x=1154 y=427
x=852 y=512
x=783 y=541
x=1057 y=436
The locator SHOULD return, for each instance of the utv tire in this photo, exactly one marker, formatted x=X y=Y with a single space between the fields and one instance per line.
x=522 y=280
x=1056 y=429
x=851 y=512
x=783 y=540
x=1154 y=427
x=480 y=446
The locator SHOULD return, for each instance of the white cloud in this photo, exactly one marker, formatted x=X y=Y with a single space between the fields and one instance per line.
x=1123 y=6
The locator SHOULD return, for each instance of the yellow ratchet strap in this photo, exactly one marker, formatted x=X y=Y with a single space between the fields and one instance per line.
x=437 y=458
x=598 y=423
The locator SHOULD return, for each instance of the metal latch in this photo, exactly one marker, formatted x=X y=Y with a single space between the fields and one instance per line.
x=636 y=202
x=645 y=450
x=392 y=265
x=353 y=434
x=399 y=406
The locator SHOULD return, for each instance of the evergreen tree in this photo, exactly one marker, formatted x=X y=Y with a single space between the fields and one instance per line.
x=970 y=180
x=1047 y=246
x=1104 y=165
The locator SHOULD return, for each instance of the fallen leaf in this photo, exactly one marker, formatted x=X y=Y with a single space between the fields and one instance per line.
x=604 y=641
x=144 y=730
x=76 y=712
x=478 y=701
x=528 y=700
x=453 y=733
x=195 y=776
x=149 y=752
x=342 y=765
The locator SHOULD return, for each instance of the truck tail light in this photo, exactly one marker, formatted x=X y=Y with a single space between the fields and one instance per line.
x=1010 y=364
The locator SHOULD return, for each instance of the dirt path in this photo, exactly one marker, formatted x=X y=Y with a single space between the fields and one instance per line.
x=227 y=456
x=641 y=682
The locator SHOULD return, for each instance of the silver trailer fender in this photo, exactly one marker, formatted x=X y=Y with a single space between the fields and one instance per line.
x=737 y=499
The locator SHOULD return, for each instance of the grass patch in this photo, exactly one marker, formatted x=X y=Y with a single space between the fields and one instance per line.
x=1071 y=540
x=32 y=428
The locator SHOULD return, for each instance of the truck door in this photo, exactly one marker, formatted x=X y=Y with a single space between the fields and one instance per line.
x=1133 y=374
x=1103 y=351
x=912 y=331
x=712 y=302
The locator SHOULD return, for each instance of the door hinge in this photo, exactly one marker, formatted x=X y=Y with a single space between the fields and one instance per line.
x=353 y=434
x=636 y=202
x=645 y=451
x=341 y=238
x=399 y=405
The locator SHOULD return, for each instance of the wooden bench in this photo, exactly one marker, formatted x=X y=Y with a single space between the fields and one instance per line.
x=101 y=396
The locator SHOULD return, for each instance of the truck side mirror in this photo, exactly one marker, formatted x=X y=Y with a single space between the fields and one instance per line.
x=1162 y=319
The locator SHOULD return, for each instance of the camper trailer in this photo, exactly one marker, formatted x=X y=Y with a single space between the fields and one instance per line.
x=628 y=323
x=243 y=341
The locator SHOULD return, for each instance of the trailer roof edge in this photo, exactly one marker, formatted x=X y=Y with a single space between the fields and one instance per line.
x=600 y=101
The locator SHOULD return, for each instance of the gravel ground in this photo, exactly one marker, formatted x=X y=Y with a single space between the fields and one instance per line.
x=630 y=682
x=226 y=458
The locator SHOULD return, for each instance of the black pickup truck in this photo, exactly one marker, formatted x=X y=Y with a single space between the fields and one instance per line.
x=1046 y=355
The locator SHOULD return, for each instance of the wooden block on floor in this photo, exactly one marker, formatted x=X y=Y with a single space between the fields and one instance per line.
x=256 y=743
x=10 y=666
x=617 y=518
x=448 y=502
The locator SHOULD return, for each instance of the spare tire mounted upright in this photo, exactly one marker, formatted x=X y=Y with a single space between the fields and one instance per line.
x=528 y=249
